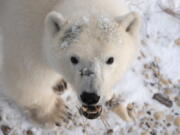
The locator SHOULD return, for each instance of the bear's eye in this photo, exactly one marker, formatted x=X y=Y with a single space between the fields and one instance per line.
x=110 y=61
x=74 y=60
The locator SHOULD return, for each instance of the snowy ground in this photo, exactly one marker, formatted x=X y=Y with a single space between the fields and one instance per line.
x=157 y=70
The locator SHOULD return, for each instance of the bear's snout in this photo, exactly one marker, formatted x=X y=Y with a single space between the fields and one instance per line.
x=89 y=98
x=86 y=72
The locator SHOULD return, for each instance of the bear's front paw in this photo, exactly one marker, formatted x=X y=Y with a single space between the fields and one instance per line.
x=60 y=87
x=58 y=115
x=126 y=113
x=61 y=114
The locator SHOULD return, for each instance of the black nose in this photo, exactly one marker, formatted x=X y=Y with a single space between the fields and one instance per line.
x=89 y=98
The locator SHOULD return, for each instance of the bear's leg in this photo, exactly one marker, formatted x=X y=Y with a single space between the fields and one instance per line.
x=34 y=94
x=51 y=109
x=55 y=114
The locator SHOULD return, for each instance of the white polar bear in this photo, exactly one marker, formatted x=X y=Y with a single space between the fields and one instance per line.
x=88 y=43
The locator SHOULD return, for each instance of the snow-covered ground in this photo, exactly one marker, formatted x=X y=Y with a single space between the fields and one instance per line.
x=156 y=70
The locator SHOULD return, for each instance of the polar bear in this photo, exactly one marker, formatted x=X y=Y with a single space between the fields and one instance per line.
x=88 y=43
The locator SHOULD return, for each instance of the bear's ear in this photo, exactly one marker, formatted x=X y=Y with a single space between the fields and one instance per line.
x=130 y=23
x=54 y=23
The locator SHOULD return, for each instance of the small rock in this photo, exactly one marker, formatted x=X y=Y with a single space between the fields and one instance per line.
x=158 y=115
x=145 y=133
x=177 y=100
x=167 y=92
x=169 y=118
x=130 y=130
x=153 y=133
x=162 y=99
x=5 y=129
x=146 y=76
x=142 y=54
x=177 y=41
x=84 y=130
x=14 y=133
x=148 y=125
x=167 y=133
x=163 y=80
x=158 y=60
x=110 y=132
x=168 y=124
x=146 y=66
x=149 y=112
x=29 y=132
x=177 y=121
x=141 y=113
x=178 y=130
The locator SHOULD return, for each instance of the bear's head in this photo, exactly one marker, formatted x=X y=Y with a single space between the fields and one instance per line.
x=91 y=52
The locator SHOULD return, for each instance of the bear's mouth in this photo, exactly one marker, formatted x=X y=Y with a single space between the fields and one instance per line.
x=91 y=112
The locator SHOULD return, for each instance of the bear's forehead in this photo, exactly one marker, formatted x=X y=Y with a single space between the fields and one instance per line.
x=99 y=28
x=103 y=28
x=98 y=23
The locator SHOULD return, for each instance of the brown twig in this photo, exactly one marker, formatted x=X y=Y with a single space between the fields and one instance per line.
x=170 y=10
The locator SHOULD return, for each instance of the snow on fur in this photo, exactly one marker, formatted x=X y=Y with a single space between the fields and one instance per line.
x=158 y=34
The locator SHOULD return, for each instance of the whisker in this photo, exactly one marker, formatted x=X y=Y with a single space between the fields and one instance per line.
x=85 y=126
x=105 y=123
x=84 y=121
x=78 y=109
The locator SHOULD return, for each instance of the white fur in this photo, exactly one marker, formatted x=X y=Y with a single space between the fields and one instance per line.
x=34 y=61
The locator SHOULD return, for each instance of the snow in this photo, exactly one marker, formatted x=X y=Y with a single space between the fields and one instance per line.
x=159 y=31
